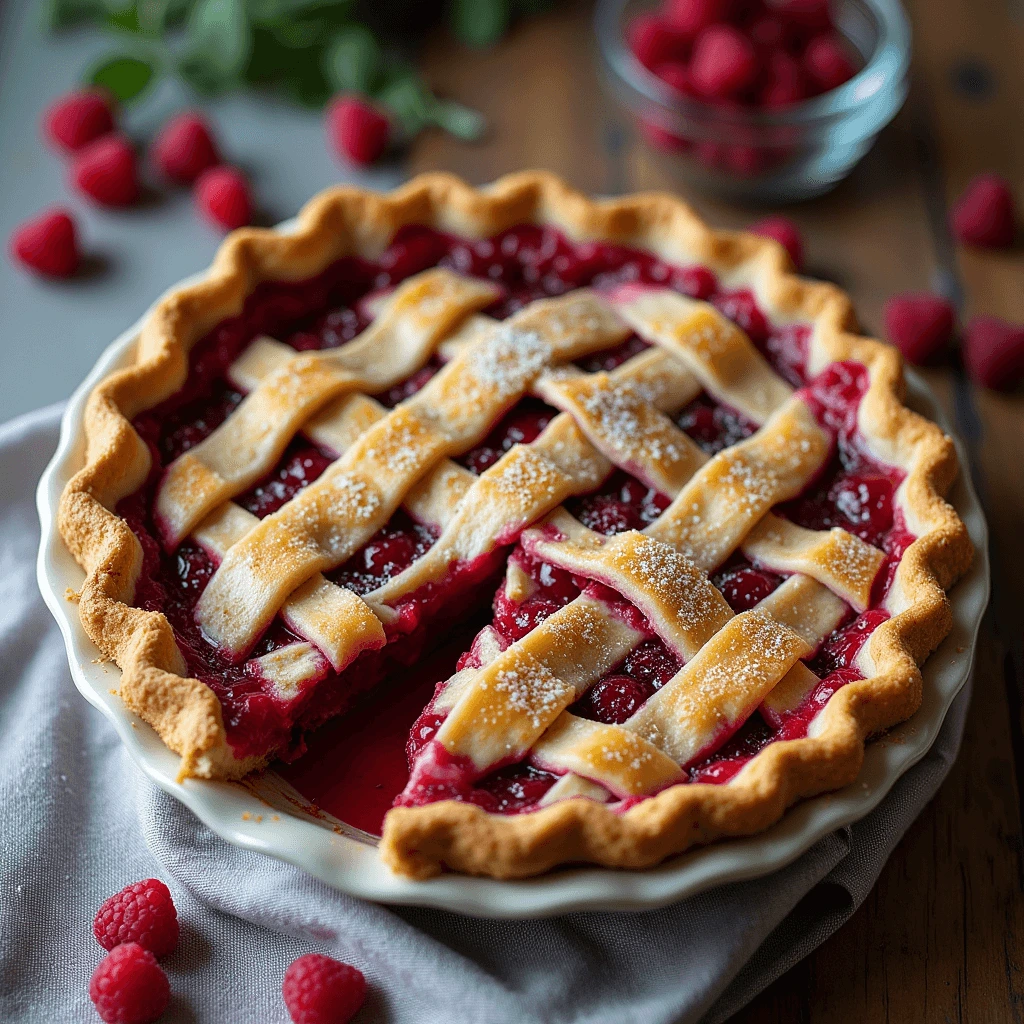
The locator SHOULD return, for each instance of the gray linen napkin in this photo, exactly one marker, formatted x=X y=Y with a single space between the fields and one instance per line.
x=78 y=821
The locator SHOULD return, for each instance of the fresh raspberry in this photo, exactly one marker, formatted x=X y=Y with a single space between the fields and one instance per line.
x=786 y=233
x=129 y=987
x=652 y=42
x=185 y=148
x=918 y=324
x=768 y=32
x=994 y=352
x=76 y=118
x=357 y=129
x=222 y=195
x=47 y=244
x=142 y=912
x=805 y=16
x=984 y=214
x=691 y=17
x=783 y=81
x=827 y=64
x=319 y=990
x=675 y=75
x=724 y=62
x=106 y=171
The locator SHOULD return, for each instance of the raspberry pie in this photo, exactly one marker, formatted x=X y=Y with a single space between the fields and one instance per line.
x=704 y=539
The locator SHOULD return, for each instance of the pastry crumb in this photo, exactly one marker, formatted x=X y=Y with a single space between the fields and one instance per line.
x=72 y=595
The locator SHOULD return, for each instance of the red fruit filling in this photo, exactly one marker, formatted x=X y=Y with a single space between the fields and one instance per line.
x=853 y=491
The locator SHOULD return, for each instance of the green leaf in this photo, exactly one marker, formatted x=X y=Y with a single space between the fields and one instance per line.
x=156 y=16
x=479 y=23
x=458 y=120
x=126 y=77
x=124 y=19
x=58 y=14
x=410 y=102
x=220 y=38
x=353 y=60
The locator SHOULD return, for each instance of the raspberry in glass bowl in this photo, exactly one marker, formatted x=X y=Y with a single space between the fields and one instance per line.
x=760 y=100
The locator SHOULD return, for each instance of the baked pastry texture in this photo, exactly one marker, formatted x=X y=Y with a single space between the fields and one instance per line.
x=719 y=538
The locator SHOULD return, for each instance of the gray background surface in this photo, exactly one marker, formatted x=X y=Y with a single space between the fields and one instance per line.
x=52 y=332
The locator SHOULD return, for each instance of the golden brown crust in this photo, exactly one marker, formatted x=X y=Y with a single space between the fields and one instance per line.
x=422 y=841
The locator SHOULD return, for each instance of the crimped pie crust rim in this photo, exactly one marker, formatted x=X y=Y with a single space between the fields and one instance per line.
x=419 y=841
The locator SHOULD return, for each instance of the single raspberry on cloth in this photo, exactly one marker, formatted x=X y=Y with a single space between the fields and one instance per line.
x=128 y=986
x=320 y=990
x=142 y=912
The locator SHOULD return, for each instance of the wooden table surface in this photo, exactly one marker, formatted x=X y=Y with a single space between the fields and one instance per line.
x=940 y=937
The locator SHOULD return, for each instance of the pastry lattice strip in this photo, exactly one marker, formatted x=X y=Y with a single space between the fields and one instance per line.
x=250 y=441
x=738 y=487
x=569 y=463
x=651 y=573
x=328 y=521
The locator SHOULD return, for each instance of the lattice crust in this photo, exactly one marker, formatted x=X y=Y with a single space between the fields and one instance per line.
x=355 y=497
x=511 y=701
x=246 y=447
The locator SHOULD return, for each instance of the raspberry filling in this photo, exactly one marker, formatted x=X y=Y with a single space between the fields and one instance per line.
x=854 y=491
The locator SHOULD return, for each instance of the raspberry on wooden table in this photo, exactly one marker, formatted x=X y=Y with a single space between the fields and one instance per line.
x=129 y=987
x=47 y=244
x=994 y=351
x=320 y=990
x=357 y=129
x=786 y=233
x=142 y=912
x=984 y=214
x=222 y=195
x=918 y=324
x=185 y=148
x=724 y=62
x=106 y=171
x=77 y=118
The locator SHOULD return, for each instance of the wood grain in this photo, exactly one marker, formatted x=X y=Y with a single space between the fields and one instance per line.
x=940 y=937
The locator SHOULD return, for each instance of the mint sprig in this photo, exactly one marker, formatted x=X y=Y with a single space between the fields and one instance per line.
x=307 y=50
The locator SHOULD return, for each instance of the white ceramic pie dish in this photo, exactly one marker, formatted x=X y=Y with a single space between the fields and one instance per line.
x=266 y=816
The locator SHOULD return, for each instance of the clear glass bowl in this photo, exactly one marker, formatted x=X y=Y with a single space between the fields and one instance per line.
x=761 y=156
